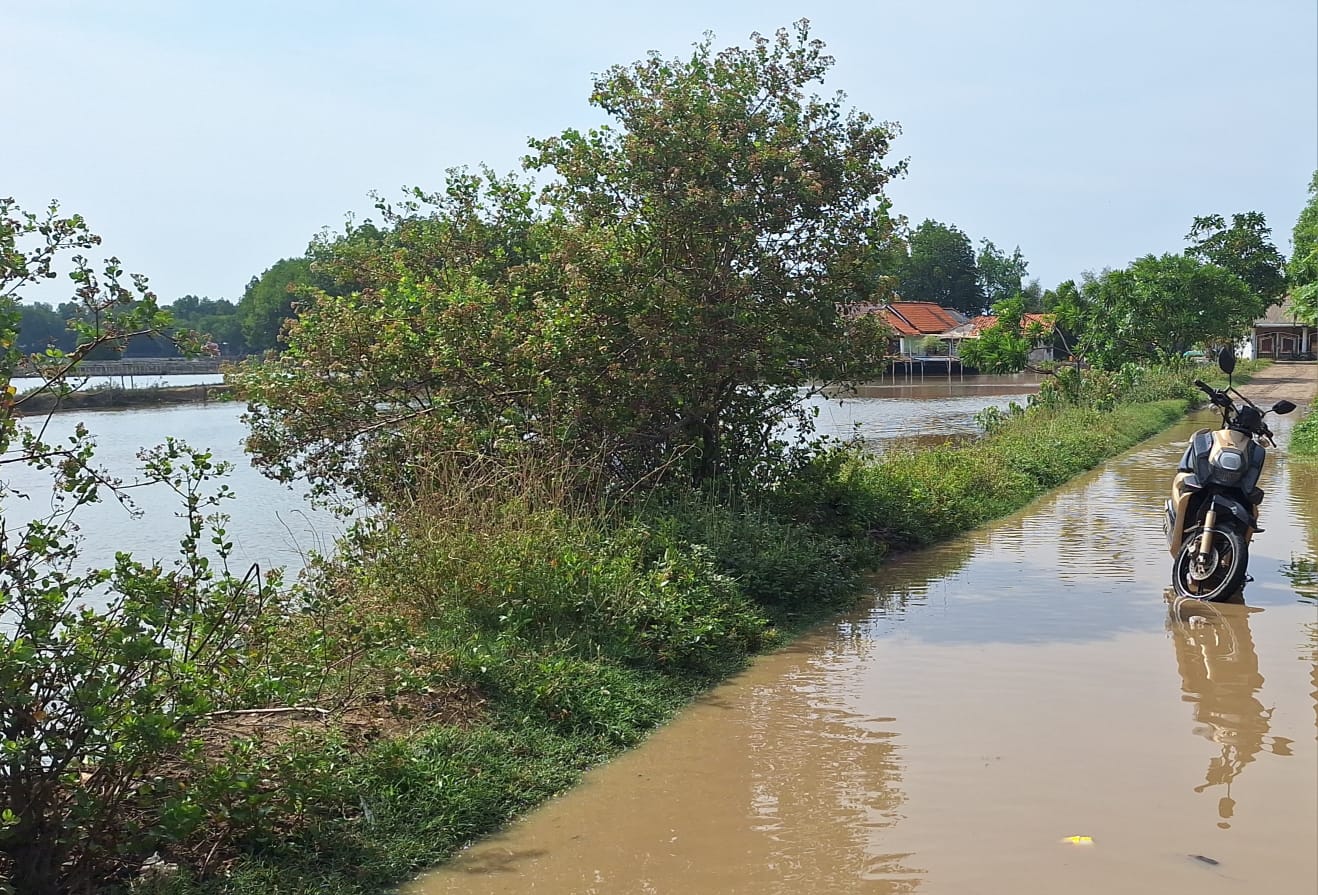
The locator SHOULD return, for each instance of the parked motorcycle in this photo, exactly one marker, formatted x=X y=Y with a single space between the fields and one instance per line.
x=1213 y=511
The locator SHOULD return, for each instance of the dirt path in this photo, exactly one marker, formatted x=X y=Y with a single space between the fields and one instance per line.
x=1296 y=381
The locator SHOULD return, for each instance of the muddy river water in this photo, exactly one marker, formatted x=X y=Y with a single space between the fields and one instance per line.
x=992 y=699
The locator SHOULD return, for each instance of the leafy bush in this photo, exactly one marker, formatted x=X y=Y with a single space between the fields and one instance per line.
x=787 y=567
x=103 y=672
x=1304 y=437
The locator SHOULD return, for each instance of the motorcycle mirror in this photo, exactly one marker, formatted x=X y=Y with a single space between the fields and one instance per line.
x=1226 y=359
x=1283 y=406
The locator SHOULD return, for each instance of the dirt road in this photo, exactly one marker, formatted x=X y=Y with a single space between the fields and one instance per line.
x=1296 y=381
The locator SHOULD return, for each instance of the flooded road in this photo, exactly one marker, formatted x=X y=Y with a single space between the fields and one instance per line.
x=997 y=695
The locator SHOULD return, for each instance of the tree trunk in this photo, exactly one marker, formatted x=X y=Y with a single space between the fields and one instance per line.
x=709 y=448
x=36 y=859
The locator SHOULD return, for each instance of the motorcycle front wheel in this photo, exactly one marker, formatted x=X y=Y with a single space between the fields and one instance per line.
x=1217 y=576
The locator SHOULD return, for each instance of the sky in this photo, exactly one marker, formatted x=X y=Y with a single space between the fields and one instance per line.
x=205 y=141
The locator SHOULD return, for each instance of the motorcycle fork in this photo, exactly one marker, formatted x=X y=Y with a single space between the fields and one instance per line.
x=1206 y=539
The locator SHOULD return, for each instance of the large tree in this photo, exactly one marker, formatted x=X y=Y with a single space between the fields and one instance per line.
x=1303 y=268
x=1245 y=248
x=688 y=275
x=941 y=268
x=41 y=327
x=1160 y=306
x=1000 y=275
x=269 y=301
x=719 y=226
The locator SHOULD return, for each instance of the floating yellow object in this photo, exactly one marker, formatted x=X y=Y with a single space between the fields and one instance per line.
x=1079 y=840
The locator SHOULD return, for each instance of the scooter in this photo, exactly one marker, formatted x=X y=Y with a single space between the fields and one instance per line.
x=1214 y=508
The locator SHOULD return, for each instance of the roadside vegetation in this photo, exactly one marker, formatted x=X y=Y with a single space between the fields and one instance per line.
x=1304 y=437
x=564 y=398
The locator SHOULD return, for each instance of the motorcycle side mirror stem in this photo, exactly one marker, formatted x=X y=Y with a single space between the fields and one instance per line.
x=1283 y=406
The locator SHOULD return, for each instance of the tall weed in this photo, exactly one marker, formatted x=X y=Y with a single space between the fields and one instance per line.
x=1304 y=437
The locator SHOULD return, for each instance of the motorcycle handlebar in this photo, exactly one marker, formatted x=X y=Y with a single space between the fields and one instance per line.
x=1219 y=399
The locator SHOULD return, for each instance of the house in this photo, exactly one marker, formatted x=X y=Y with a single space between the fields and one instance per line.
x=1041 y=350
x=1277 y=335
x=912 y=322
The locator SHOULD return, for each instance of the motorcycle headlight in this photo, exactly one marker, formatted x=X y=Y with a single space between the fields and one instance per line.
x=1231 y=461
x=1228 y=466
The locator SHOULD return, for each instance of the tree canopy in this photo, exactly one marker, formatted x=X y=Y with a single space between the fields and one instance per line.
x=1158 y=307
x=1005 y=346
x=1245 y=249
x=685 y=270
x=941 y=268
x=1303 y=268
x=1000 y=275
x=268 y=302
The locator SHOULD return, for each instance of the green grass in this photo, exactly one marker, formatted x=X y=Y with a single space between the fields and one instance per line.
x=917 y=498
x=1304 y=437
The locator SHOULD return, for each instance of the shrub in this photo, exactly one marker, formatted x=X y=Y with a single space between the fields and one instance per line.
x=1304 y=437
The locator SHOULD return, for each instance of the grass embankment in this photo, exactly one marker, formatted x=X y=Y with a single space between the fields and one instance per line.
x=479 y=651
x=118 y=398
x=1304 y=437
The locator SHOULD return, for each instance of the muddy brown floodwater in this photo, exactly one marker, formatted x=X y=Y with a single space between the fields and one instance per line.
x=998 y=695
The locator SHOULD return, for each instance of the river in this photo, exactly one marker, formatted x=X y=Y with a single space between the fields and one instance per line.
x=1019 y=710
x=882 y=414
x=274 y=525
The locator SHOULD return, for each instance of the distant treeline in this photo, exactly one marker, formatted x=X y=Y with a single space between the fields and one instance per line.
x=250 y=326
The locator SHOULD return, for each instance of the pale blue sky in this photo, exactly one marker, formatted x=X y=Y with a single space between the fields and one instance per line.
x=207 y=140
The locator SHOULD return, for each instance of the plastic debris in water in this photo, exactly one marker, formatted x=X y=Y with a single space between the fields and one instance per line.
x=1079 y=840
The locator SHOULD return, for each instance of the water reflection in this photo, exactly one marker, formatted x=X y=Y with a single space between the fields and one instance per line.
x=1302 y=499
x=1220 y=678
x=1302 y=568
x=787 y=781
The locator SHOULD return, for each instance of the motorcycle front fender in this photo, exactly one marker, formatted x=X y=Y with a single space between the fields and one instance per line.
x=1236 y=509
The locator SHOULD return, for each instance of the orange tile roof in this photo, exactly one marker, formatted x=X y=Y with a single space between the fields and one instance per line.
x=924 y=317
x=898 y=323
x=1047 y=321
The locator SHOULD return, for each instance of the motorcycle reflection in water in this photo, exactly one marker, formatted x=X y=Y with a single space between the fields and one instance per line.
x=1220 y=678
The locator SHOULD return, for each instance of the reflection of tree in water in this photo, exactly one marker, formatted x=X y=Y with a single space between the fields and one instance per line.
x=1220 y=678
x=1091 y=529
x=1303 y=499
x=905 y=580
x=1302 y=570
x=1303 y=574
